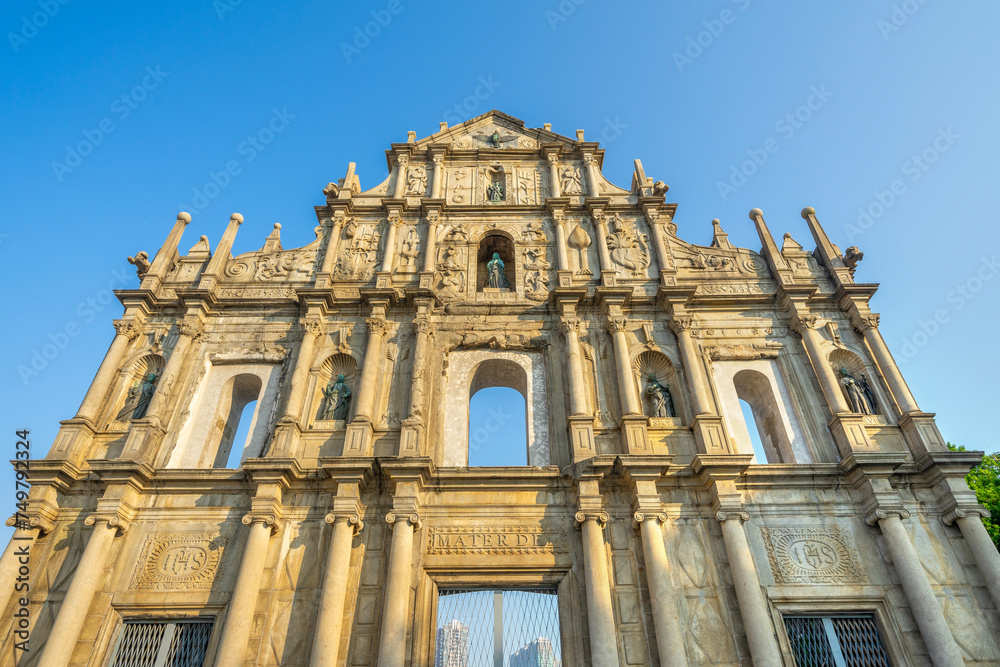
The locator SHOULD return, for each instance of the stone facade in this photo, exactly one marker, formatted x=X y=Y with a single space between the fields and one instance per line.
x=667 y=541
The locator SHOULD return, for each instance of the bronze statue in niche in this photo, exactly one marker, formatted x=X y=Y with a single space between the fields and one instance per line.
x=661 y=404
x=335 y=399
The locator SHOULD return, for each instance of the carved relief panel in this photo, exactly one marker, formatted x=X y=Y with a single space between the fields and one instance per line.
x=178 y=561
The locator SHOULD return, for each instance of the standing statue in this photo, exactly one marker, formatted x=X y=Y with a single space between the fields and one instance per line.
x=570 y=181
x=130 y=402
x=856 y=397
x=496 y=278
x=869 y=393
x=661 y=404
x=335 y=399
x=495 y=191
x=145 y=395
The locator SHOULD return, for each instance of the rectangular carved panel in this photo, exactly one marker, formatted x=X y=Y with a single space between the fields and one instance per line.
x=178 y=561
x=498 y=540
x=812 y=555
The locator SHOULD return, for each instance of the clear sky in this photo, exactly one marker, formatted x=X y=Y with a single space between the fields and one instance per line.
x=116 y=116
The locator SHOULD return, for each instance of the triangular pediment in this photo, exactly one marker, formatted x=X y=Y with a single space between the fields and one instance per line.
x=493 y=130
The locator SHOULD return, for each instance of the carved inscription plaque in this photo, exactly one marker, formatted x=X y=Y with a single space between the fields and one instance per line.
x=494 y=540
x=812 y=555
x=172 y=561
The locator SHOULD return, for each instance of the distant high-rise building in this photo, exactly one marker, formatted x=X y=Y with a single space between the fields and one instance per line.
x=538 y=653
x=452 y=645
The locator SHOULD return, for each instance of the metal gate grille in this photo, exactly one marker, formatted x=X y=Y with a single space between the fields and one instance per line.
x=836 y=641
x=497 y=628
x=162 y=644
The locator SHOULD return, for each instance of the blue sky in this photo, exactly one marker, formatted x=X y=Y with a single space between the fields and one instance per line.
x=117 y=115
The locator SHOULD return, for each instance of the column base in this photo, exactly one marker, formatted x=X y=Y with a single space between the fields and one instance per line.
x=710 y=435
x=358 y=439
x=609 y=278
x=850 y=434
x=383 y=280
x=73 y=440
x=565 y=278
x=581 y=435
x=426 y=279
x=144 y=436
x=411 y=437
x=287 y=435
x=921 y=433
x=668 y=279
x=635 y=439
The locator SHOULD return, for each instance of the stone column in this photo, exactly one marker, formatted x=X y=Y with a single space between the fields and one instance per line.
x=666 y=619
x=438 y=176
x=600 y=615
x=923 y=603
x=330 y=615
x=753 y=607
x=983 y=550
x=422 y=327
x=163 y=260
x=577 y=397
x=243 y=603
x=125 y=332
x=868 y=324
x=188 y=332
x=392 y=221
x=88 y=577
x=697 y=378
x=562 y=254
x=330 y=256
x=662 y=256
x=372 y=366
x=431 y=246
x=590 y=163
x=813 y=342
x=14 y=561
x=555 y=188
x=392 y=641
x=623 y=362
x=210 y=275
x=400 y=188
x=602 y=241
x=312 y=330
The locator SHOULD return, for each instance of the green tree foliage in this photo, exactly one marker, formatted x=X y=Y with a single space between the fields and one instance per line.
x=984 y=479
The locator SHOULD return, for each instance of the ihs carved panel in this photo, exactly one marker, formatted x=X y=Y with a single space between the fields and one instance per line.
x=812 y=555
x=178 y=561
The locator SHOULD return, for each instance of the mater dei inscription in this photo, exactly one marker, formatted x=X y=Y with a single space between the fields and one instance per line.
x=498 y=540
x=178 y=562
x=808 y=555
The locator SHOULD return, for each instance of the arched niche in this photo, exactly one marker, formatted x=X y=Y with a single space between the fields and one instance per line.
x=335 y=364
x=841 y=359
x=131 y=378
x=216 y=408
x=472 y=370
x=760 y=384
x=657 y=365
x=501 y=243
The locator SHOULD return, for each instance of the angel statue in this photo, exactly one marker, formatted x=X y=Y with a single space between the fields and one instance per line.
x=660 y=402
x=335 y=399
x=856 y=395
x=495 y=276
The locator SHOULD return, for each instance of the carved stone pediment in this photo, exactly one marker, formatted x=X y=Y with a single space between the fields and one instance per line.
x=272 y=264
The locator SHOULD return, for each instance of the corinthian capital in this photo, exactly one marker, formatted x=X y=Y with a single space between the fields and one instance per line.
x=193 y=329
x=423 y=325
x=127 y=328
x=313 y=327
x=866 y=322
x=570 y=325
x=679 y=324
x=802 y=322
x=616 y=324
x=376 y=326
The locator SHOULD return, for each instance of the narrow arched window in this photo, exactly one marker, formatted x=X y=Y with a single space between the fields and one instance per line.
x=754 y=390
x=241 y=391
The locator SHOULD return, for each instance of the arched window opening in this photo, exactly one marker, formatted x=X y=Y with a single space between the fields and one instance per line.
x=754 y=389
x=498 y=424
x=242 y=436
x=491 y=274
x=498 y=434
x=239 y=392
x=748 y=418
